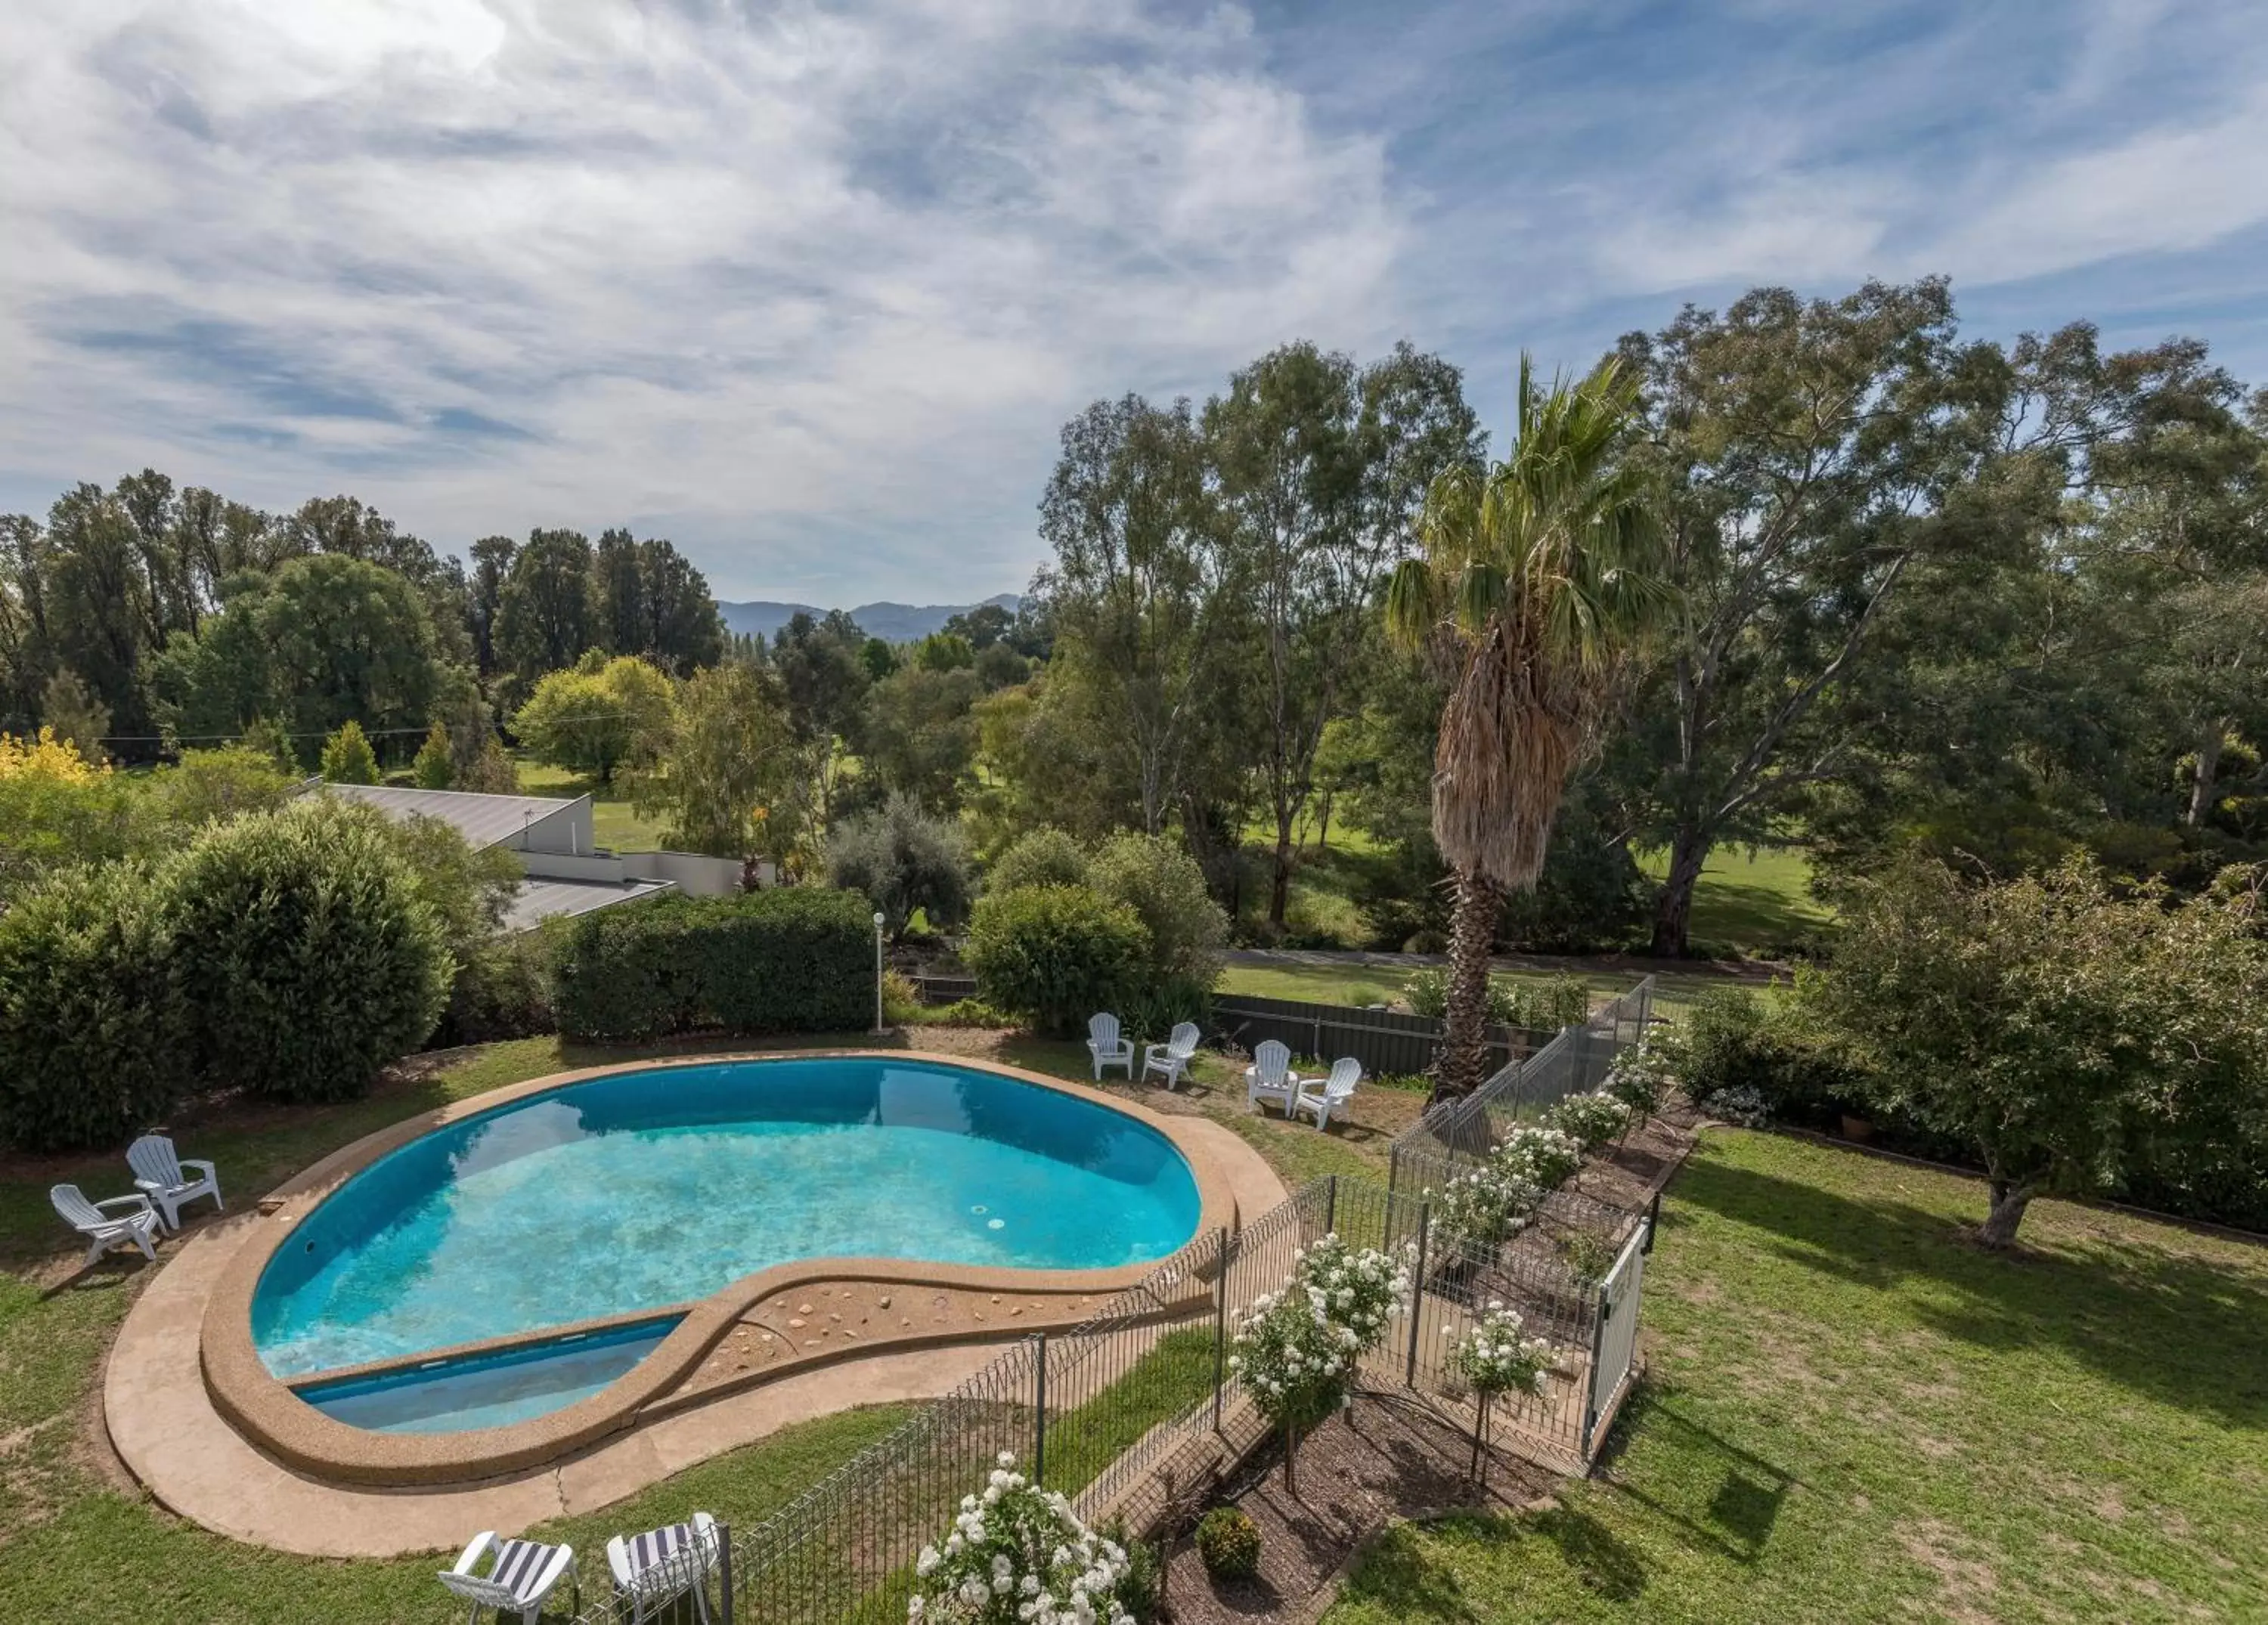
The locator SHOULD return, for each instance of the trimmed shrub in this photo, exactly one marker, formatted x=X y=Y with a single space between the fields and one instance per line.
x=89 y=1025
x=1053 y=955
x=1046 y=856
x=306 y=956
x=1228 y=1543
x=792 y=959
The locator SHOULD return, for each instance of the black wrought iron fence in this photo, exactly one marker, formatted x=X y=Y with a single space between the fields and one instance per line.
x=1119 y=1410
x=1429 y=1151
x=1384 y=1041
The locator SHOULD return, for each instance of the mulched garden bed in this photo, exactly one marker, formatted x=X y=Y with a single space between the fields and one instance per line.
x=1382 y=1458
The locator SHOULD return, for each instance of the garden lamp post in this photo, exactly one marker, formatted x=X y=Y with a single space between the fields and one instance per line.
x=878 y=1028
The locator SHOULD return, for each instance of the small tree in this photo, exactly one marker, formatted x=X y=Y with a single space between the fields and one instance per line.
x=76 y=713
x=432 y=769
x=1297 y=1350
x=2071 y=1035
x=1494 y=1358
x=348 y=758
x=305 y=957
x=599 y=716
x=903 y=859
x=1161 y=883
x=730 y=759
x=1053 y=955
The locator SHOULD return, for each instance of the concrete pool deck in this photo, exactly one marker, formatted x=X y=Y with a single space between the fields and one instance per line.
x=864 y=1338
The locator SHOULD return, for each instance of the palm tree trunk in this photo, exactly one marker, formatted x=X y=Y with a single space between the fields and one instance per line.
x=1464 y=1042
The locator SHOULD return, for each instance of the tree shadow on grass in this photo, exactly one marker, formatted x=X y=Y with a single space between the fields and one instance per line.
x=1399 y=1574
x=1744 y=1491
x=2179 y=1330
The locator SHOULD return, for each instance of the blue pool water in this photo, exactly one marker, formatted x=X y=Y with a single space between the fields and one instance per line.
x=488 y=1391
x=649 y=1188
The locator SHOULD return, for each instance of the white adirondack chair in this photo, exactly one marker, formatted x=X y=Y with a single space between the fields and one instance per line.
x=652 y=1568
x=160 y=1175
x=525 y=1572
x=1323 y=1096
x=134 y=1226
x=1171 y=1058
x=1108 y=1048
x=1270 y=1077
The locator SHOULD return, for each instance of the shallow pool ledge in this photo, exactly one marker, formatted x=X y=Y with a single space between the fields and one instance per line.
x=268 y=1413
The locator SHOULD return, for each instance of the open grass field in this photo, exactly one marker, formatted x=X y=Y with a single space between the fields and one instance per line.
x=1351 y=981
x=1852 y=1413
x=1755 y=902
x=615 y=822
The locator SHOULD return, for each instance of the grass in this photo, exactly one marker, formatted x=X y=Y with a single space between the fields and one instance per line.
x=1756 y=902
x=1356 y=983
x=1853 y=1414
x=614 y=823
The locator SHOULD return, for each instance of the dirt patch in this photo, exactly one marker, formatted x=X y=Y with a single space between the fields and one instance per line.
x=1966 y=1584
x=1382 y=1459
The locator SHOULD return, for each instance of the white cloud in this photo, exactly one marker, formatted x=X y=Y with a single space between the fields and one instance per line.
x=789 y=274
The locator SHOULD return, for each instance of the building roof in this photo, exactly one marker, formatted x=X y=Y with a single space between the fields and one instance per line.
x=540 y=898
x=483 y=819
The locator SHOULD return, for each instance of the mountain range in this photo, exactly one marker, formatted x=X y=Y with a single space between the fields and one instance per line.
x=894 y=623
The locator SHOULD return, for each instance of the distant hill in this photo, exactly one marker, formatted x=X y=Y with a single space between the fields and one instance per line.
x=895 y=623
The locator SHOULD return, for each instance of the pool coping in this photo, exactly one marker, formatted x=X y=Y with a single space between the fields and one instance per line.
x=266 y=1410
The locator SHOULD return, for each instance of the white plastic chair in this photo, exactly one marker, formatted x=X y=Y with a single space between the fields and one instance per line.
x=525 y=1572
x=652 y=1568
x=1171 y=1058
x=1104 y=1043
x=135 y=1225
x=158 y=1174
x=1270 y=1077
x=1323 y=1096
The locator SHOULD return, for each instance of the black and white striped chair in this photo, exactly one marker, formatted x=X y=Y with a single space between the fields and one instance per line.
x=652 y=1568
x=525 y=1572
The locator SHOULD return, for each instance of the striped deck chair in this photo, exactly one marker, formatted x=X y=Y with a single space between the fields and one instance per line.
x=525 y=1572
x=652 y=1568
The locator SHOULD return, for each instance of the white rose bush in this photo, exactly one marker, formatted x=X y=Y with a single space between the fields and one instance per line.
x=1018 y=1555
x=1495 y=1200
x=1296 y=1350
x=1494 y=1358
x=1591 y=1119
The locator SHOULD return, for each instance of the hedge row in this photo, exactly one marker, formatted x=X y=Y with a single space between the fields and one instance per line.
x=796 y=959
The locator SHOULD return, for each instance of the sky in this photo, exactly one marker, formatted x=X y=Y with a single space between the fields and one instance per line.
x=810 y=289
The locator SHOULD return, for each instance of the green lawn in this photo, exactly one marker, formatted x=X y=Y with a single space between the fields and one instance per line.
x=1367 y=984
x=1852 y=1414
x=1757 y=903
x=615 y=822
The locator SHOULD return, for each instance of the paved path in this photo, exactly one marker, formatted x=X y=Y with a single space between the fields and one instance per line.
x=165 y=1428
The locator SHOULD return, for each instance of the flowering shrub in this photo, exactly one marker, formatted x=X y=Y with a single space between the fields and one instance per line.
x=1018 y=1555
x=1494 y=1358
x=1490 y=1202
x=1642 y=1078
x=1296 y=1349
x=1739 y=1104
x=1545 y=1157
x=43 y=756
x=1591 y=1119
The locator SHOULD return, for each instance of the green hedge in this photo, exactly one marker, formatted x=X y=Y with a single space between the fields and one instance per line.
x=793 y=959
x=89 y=1025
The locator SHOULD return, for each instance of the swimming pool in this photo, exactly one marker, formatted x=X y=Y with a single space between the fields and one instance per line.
x=639 y=1190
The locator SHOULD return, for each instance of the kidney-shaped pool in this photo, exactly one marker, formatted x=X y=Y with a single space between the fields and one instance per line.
x=642 y=1190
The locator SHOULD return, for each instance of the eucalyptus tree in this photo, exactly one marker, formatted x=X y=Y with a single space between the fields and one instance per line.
x=1319 y=468
x=1808 y=451
x=1538 y=579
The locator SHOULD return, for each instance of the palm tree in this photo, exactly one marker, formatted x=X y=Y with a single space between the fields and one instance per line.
x=1536 y=581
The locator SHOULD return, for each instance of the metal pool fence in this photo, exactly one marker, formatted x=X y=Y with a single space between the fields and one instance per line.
x=1460 y=1132
x=1384 y=1041
x=1135 y=1413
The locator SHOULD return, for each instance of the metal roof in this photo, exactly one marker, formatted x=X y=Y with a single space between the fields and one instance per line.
x=483 y=819
x=541 y=899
